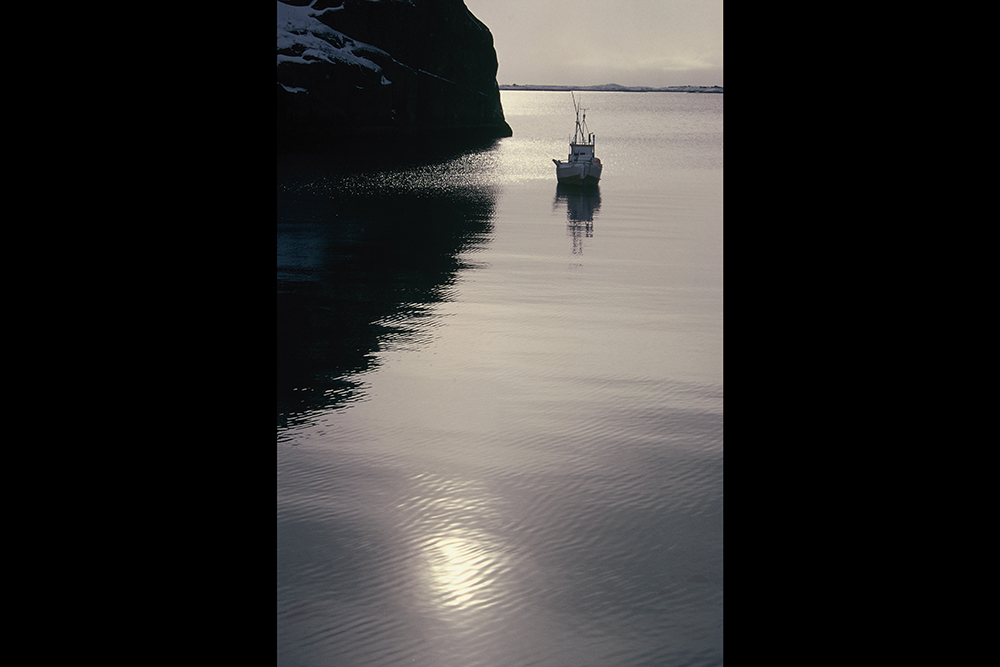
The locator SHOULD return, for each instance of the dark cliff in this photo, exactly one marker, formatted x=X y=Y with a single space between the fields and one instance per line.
x=385 y=69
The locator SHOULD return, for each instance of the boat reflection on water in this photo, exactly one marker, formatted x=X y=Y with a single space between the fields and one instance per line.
x=582 y=203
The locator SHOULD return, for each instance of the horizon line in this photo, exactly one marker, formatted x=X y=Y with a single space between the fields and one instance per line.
x=603 y=87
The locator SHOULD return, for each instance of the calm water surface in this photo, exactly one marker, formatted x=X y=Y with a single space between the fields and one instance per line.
x=500 y=403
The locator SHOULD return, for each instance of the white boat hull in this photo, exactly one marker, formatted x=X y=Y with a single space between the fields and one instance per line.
x=582 y=173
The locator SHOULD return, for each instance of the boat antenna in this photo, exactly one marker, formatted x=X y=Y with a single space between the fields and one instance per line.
x=579 y=131
x=576 y=108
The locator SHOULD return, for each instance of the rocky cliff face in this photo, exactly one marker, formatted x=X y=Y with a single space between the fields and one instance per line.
x=372 y=69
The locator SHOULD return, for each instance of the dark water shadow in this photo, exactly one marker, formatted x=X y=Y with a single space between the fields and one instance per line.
x=362 y=256
x=582 y=203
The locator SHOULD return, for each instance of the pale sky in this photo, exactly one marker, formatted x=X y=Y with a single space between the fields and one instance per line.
x=590 y=42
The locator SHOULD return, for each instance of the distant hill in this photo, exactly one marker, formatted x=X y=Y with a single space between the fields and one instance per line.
x=614 y=87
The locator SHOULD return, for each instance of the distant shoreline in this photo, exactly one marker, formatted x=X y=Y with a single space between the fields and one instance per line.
x=614 y=87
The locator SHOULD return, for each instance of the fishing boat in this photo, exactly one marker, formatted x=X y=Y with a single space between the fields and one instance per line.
x=581 y=167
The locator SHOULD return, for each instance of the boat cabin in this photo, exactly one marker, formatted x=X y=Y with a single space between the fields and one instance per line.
x=580 y=152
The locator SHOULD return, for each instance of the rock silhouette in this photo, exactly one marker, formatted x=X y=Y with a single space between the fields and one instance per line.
x=363 y=70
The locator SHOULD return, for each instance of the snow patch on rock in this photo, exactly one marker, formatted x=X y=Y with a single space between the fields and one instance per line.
x=306 y=39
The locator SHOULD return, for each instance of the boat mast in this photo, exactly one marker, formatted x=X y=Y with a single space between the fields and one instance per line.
x=581 y=129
